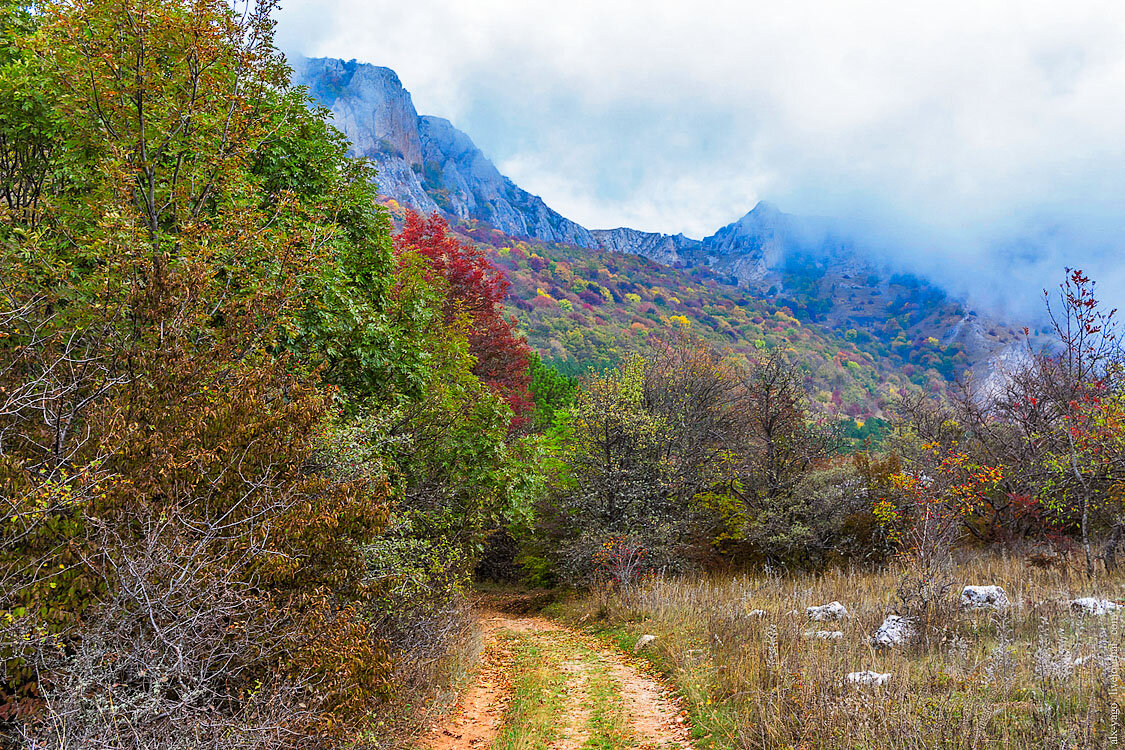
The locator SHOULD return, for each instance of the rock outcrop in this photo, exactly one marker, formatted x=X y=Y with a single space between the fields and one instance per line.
x=895 y=631
x=984 y=597
x=825 y=612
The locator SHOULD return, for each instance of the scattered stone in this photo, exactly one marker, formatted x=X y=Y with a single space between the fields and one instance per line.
x=830 y=611
x=1089 y=605
x=756 y=613
x=826 y=635
x=984 y=597
x=643 y=642
x=868 y=678
x=895 y=631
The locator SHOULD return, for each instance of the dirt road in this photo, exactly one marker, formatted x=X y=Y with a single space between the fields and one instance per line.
x=542 y=685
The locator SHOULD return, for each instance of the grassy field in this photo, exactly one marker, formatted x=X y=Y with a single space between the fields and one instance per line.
x=1034 y=675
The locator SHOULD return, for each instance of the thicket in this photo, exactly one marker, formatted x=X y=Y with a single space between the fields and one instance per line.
x=251 y=441
x=685 y=458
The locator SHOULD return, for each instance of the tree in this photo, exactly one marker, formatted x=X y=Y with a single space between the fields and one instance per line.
x=775 y=449
x=616 y=485
x=476 y=295
x=550 y=390
x=163 y=465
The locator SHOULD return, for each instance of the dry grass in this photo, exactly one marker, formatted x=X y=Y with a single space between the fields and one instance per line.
x=979 y=679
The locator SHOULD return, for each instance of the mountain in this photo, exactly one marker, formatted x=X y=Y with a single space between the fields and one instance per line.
x=804 y=266
x=425 y=162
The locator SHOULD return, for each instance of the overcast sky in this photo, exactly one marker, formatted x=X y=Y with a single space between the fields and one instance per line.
x=984 y=133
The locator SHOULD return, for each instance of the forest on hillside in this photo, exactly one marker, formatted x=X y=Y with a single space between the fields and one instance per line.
x=259 y=437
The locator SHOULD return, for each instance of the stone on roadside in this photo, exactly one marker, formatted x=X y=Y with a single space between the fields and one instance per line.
x=643 y=642
x=984 y=597
x=830 y=611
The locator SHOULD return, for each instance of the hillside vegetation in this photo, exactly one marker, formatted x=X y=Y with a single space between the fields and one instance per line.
x=863 y=341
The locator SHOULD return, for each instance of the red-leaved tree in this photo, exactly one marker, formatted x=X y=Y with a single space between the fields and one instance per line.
x=476 y=291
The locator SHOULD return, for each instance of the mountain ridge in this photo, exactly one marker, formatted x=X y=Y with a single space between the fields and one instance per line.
x=804 y=263
x=429 y=164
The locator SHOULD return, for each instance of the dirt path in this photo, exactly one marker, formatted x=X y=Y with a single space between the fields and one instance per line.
x=558 y=704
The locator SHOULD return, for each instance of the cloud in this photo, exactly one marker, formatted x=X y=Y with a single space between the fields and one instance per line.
x=955 y=130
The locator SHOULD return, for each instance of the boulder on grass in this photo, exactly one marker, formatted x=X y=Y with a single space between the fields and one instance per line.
x=643 y=643
x=895 y=631
x=984 y=597
x=830 y=611
x=1091 y=605
x=868 y=678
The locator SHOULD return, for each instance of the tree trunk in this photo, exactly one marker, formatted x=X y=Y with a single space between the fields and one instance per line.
x=1086 y=535
x=1109 y=555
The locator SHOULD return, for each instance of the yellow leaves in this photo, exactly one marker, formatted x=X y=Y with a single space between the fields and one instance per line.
x=679 y=321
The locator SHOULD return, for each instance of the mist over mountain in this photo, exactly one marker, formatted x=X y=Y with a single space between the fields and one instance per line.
x=427 y=163
x=819 y=266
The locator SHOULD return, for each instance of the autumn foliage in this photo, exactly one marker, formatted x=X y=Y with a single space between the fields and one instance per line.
x=476 y=299
x=233 y=424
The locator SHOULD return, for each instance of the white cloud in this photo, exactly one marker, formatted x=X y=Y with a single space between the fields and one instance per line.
x=957 y=122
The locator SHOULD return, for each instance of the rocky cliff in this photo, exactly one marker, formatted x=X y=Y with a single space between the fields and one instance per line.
x=425 y=162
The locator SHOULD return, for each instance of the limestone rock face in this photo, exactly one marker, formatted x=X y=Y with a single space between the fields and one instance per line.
x=668 y=249
x=467 y=185
x=372 y=109
x=424 y=162
x=984 y=597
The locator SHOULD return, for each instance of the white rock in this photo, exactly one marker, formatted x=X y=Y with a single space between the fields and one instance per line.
x=1089 y=605
x=984 y=597
x=756 y=613
x=643 y=642
x=895 y=631
x=868 y=678
x=830 y=611
x=826 y=635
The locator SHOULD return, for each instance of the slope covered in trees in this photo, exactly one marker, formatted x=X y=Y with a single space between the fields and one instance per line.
x=584 y=308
